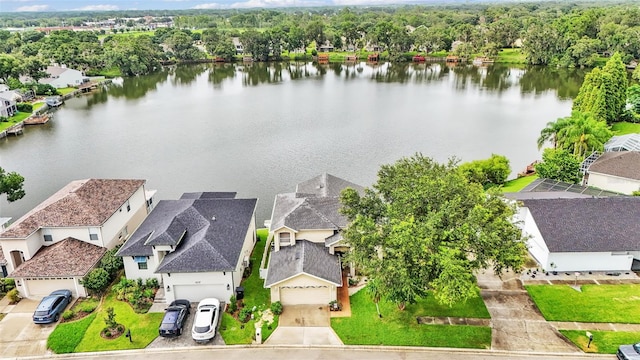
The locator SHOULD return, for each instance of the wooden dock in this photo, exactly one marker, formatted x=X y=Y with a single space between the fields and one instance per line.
x=17 y=129
x=37 y=120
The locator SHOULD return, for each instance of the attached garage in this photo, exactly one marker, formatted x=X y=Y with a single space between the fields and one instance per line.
x=41 y=287
x=195 y=293
x=309 y=295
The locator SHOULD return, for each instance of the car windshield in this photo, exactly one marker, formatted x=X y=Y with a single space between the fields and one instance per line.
x=170 y=317
x=201 y=329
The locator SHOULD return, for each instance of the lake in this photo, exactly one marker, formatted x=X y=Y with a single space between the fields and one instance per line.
x=259 y=129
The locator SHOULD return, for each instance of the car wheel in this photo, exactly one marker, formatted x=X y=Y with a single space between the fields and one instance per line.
x=179 y=332
x=56 y=318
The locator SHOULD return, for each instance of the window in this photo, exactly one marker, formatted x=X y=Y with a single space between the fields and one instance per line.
x=142 y=265
x=93 y=233
x=47 y=235
x=141 y=261
x=123 y=233
x=285 y=238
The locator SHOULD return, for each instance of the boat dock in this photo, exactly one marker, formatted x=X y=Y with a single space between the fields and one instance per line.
x=16 y=129
x=37 y=119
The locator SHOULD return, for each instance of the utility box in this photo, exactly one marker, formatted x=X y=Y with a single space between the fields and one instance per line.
x=258 y=335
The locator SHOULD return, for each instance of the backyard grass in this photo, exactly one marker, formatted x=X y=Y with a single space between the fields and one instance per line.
x=595 y=303
x=233 y=331
x=65 y=91
x=511 y=56
x=623 y=128
x=37 y=105
x=65 y=337
x=14 y=120
x=604 y=342
x=518 y=184
x=144 y=328
x=400 y=328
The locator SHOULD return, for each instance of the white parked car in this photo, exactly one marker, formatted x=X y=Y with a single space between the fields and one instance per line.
x=206 y=320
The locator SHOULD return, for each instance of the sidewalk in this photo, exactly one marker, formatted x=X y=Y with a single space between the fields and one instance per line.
x=566 y=325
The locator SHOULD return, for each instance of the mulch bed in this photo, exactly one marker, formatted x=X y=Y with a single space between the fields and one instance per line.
x=113 y=333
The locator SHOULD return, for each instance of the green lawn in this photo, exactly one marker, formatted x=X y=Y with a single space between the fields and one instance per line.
x=37 y=105
x=144 y=328
x=604 y=342
x=66 y=336
x=400 y=328
x=65 y=91
x=511 y=56
x=234 y=332
x=623 y=128
x=595 y=303
x=14 y=120
x=518 y=184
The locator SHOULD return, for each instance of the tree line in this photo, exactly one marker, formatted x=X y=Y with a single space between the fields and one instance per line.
x=550 y=33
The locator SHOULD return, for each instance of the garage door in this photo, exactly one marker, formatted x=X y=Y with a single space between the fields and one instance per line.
x=195 y=293
x=43 y=287
x=304 y=295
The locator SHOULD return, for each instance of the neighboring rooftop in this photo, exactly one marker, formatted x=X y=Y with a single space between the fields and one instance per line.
x=208 y=232
x=625 y=164
x=69 y=257
x=588 y=225
x=88 y=202
x=304 y=258
x=628 y=142
x=326 y=185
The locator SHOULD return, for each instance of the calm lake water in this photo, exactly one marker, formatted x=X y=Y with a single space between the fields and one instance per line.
x=260 y=129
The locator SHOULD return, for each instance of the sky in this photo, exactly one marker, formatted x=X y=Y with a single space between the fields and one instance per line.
x=106 y=5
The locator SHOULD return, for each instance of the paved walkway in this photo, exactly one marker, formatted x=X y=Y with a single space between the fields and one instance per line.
x=516 y=322
x=343 y=299
x=572 y=325
x=453 y=321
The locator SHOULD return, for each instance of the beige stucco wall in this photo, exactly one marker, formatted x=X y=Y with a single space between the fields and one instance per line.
x=302 y=280
x=131 y=219
x=613 y=183
x=316 y=236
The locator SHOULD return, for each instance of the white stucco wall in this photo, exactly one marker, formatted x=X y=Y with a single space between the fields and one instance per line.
x=28 y=246
x=112 y=228
x=316 y=236
x=613 y=183
x=590 y=261
x=69 y=77
x=535 y=243
x=132 y=272
x=170 y=280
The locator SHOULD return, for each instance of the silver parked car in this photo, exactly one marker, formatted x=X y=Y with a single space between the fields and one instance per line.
x=206 y=320
x=629 y=352
x=51 y=307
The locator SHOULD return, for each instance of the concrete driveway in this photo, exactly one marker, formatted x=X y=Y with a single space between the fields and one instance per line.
x=19 y=336
x=304 y=325
x=184 y=340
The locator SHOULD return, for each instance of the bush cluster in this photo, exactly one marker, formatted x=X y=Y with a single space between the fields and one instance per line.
x=139 y=293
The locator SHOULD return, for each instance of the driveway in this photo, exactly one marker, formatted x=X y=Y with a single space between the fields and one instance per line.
x=304 y=325
x=185 y=339
x=516 y=321
x=19 y=336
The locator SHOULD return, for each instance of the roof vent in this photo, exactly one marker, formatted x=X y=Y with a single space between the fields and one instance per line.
x=213 y=218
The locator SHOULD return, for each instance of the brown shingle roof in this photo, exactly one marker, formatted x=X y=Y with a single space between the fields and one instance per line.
x=69 y=257
x=88 y=202
x=624 y=164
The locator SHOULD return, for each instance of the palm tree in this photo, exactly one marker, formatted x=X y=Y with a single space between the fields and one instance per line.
x=582 y=134
x=549 y=133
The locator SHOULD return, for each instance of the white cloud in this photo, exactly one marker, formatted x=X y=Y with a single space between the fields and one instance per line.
x=98 y=8
x=208 y=6
x=273 y=3
x=33 y=8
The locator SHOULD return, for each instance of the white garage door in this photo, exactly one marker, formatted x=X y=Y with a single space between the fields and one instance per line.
x=42 y=287
x=195 y=293
x=305 y=295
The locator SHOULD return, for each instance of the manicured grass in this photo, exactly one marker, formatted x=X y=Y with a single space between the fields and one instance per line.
x=232 y=330
x=604 y=342
x=144 y=328
x=511 y=56
x=400 y=328
x=623 y=128
x=65 y=91
x=14 y=120
x=37 y=105
x=595 y=303
x=67 y=336
x=518 y=184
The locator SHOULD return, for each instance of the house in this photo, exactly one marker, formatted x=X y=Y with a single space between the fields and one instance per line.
x=305 y=227
x=59 y=241
x=237 y=45
x=617 y=171
x=326 y=47
x=8 y=106
x=197 y=246
x=578 y=232
x=62 y=77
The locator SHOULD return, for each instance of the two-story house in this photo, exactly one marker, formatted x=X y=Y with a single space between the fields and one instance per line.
x=62 y=77
x=59 y=241
x=197 y=246
x=8 y=106
x=304 y=266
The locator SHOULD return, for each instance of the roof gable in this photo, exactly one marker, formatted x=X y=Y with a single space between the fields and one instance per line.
x=588 y=225
x=305 y=257
x=69 y=257
x=625 y=164
x=326 y=185
x=80 y=203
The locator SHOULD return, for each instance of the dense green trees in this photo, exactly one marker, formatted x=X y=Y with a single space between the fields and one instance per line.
x=489 y=172
x=579 y=134
x=559 y=164
x=423 y=226
x=12 y=185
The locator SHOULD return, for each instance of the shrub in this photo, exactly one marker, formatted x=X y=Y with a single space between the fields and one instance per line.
x=276 y=308
x=6 y=284
x=152 y=283
x=4 y=119
x=96 y=281
x=149 y=293
x=68 y=314
x=111 y=263
x=14 y=296
x=110 y=318
x=87 y=306
x=233 y=304
x=245 y=314
x=24 y=107
x=140 y=282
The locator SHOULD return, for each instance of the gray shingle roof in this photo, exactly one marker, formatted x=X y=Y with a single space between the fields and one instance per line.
x=208 y=195
x=326 y=185
x=588 y=225
x=624 y=164
x=314 y=205
x=215 y=233
x=69 y=257
x=305 y=257
x=80 y=203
